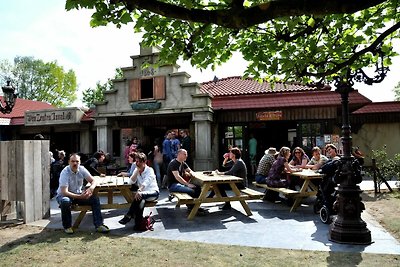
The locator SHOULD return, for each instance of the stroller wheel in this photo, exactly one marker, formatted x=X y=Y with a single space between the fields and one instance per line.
x=317 y=206
x=325 y=215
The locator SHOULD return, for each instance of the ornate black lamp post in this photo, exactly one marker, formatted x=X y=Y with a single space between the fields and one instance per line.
x=348 y=227
x=9 y=97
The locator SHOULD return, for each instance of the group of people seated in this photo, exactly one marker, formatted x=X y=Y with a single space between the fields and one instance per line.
x=71 y=190
x=272 y=170
x=274 y=166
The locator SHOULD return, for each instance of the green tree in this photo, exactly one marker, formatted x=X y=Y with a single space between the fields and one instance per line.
x=93 y=95
x=40 y=81
x=396 y=91
x=306 y=41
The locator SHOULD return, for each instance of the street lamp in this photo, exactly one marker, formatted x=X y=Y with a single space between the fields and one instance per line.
x=348 y=227
x=9 y=97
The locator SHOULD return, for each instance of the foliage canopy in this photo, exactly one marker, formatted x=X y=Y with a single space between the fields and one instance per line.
x=307 y=41
x=93 y=95
x=40 y=81
x=388 y=167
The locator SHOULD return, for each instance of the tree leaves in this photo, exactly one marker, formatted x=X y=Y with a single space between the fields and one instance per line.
x=41 y=81
x=93 y=95
x=280 y=39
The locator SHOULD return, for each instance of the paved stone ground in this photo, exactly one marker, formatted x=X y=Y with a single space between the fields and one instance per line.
x=270 y=226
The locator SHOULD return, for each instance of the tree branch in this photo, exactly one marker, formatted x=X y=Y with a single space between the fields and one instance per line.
x=285 y=36
x=357 y=55
x=240 y=17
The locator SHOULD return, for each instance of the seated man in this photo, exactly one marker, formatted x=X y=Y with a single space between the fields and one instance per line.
x=175 y=177
x=92 y=163
x=331 y=152
x=265 y=165
x=145 y=179
x=70 y=192
x=317 y=160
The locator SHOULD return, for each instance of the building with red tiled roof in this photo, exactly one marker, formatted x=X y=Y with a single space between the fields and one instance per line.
x=16 y=117
x=237 y=93
x=65 y=127
x=379 y=107
x=146 y=103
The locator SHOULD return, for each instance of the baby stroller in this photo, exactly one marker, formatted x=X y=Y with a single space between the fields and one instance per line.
x=326 y=195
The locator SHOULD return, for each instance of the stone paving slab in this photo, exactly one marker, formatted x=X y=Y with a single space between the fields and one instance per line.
x=270 y=226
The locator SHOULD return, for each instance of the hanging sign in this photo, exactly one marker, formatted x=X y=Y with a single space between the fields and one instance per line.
x=269 y=115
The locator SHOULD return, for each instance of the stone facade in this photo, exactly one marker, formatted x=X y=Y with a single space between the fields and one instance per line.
x=172 y=94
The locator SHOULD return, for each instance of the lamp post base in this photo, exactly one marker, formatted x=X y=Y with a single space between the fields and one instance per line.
x=348 y=227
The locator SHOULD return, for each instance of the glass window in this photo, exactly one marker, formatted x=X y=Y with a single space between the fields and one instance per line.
x=238 y=131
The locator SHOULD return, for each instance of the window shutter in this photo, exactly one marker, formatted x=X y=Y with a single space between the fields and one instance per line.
x=134 y=89
x=159 y=87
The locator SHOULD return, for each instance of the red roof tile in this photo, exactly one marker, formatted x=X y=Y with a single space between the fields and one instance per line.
x=17 y=115
x=379 y=107
x=237 y=93
x=88 y=115
x=239 y=86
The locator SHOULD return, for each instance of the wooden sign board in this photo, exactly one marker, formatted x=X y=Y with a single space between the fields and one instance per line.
x=269 y=115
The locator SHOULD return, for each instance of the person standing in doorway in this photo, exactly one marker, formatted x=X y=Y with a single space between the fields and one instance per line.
x=253 y=154
x=127 y=151
x=175 y=144
x=186 y=144
x=157 y=160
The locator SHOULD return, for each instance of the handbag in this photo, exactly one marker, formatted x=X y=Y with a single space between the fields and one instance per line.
x=145 y=224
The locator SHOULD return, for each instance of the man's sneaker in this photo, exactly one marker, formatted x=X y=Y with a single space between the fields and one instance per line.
x=125 y=220
x=102 y=229
x=69 y=230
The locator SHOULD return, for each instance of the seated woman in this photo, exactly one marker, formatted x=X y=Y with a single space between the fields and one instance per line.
x=277 y=176
x=148 y=190
x=238 y=169
x=132 y=164
x=299 y=158
x=227 y=163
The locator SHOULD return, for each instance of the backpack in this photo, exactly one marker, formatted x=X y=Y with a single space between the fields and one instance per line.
x=146 y=223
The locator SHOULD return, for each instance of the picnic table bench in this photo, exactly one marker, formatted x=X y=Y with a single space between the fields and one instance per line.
x=210 y=181
x=111 y=186
x=307 y=189
x=283 y=190
x=85 y=208
x=184 y=198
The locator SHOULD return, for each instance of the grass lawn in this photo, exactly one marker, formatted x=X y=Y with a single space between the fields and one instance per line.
x=23 y=245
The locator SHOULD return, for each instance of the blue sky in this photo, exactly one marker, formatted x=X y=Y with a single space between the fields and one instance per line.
x=44 y=30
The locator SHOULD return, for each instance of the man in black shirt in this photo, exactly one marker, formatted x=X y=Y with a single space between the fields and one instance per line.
x=92 y=163
x=176 y=182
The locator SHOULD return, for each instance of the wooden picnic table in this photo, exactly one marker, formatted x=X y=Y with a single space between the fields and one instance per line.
x=308 y=188
x=112 y=186
x=209 y=181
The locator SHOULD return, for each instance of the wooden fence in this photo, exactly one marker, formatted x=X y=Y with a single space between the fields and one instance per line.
x=24 y=179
